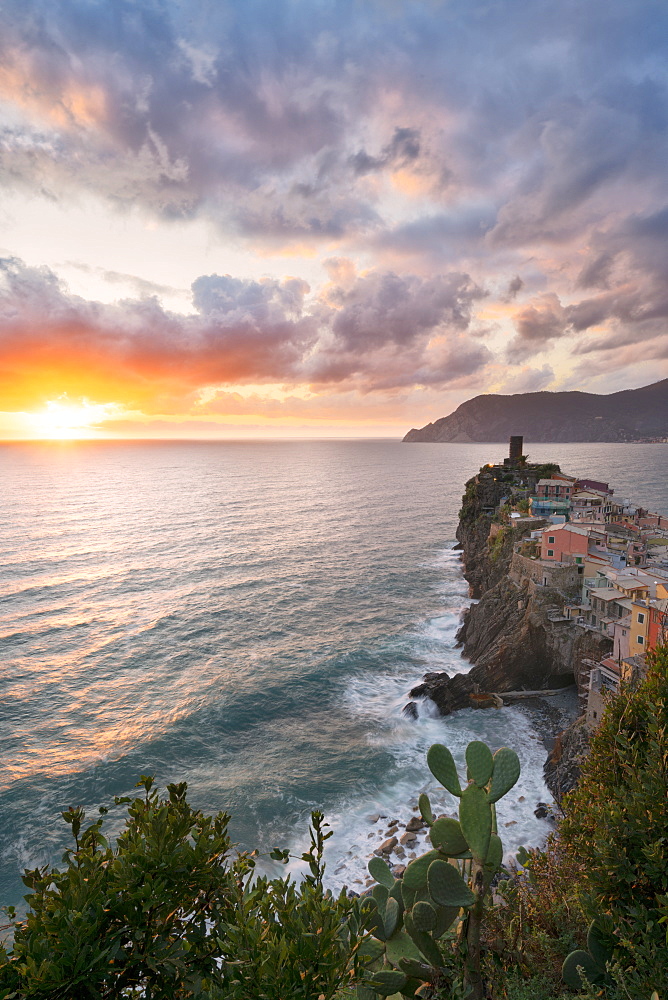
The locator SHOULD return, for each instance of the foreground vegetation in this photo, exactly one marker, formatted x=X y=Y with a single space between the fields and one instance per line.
x=171 y=912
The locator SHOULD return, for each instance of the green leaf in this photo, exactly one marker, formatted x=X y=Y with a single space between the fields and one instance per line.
x=447 y=887
x=442 y=765
x=391 y=916
x=446 y=835
x=425 y=808
x=380 y=894
x=423 y=916
x=475 y=817
x=479 y=762
x=380 y=870
x=571 y=975
x=505 y=774
x=388 y=981
x=598 y=944
x=400 y=946
x=415 y=876
x=425 y=944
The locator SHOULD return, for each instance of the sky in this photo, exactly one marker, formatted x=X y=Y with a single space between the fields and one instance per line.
x=271 y=218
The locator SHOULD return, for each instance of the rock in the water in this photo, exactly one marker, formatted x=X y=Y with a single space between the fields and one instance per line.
x=410 y=710
x=387 y=846
x=415 y=824
x=408 y=838
x=540 y=812
x=480 y=699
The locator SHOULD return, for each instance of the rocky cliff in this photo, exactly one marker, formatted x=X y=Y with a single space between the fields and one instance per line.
x=515 y=635
x=630 y=415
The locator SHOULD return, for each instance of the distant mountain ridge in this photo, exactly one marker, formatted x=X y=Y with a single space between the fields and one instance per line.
x=628 y=415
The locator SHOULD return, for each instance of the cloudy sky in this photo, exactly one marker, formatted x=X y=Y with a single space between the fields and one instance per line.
x=298 y=217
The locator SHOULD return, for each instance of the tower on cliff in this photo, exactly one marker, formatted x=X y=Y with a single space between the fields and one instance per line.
x=515 y=454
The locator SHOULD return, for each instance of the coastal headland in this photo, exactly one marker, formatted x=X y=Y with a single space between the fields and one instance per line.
x=560 y=571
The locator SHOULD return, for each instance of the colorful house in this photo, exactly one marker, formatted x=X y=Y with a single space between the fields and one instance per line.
x=565 y=543
x=657 y=632
x=638 y=642
x=554 y=489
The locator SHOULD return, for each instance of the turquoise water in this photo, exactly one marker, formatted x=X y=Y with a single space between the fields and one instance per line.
x=248 y=617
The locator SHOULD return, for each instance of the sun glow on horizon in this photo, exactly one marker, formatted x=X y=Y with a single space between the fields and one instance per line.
x=62 y=420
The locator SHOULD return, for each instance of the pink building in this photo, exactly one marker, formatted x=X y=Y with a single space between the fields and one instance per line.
x=564 y=543
x=593 y=484
x=554 y=489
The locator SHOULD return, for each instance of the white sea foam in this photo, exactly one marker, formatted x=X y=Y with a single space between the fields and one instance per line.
x=377 y=701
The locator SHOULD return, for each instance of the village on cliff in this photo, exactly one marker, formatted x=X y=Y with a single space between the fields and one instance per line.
x=608 y=558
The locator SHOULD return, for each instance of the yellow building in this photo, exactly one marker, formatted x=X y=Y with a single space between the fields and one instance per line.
x=639 y=627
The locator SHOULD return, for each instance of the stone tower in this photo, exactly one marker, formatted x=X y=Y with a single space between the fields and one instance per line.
x=516 y=443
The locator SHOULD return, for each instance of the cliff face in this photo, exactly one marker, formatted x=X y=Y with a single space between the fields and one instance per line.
x=515 y=635
x=555 y=416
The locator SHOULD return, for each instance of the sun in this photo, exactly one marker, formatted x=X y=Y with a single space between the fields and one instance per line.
x=62 y=420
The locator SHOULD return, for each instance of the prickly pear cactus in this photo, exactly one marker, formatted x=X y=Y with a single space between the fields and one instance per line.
x=422 y=921
x=593 y=962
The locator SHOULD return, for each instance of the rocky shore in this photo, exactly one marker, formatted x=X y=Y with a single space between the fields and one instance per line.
x=515 y=636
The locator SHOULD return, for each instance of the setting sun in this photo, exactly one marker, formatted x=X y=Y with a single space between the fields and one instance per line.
x=62 y=420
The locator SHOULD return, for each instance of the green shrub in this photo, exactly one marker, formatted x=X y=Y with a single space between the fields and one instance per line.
x=169 y=913
x=616 y=824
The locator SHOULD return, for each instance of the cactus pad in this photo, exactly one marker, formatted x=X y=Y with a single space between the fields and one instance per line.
x=380 y=894
x=425 y=808
x=446 y=915
x=388 y=981
x=380 y=870
x=447 y=836
x=413 y=967
x=505 y=774
x=598 y=945
x=447 y=887
x=475 y=816
x=425 y=943
x=415 y=876
x=391 y=917
x=442 y=766
x=424 y=916
x=479 y=762
x=591 y=968
x=401 y=946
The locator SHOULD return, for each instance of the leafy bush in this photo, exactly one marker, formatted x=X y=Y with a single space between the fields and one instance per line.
x=616 y=824
x=169 y=913
x=540 y=920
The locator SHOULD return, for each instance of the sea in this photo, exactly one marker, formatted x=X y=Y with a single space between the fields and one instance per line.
x=247 y=617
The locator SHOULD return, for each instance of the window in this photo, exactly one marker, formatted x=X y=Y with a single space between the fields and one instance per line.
x=641 y=618
x=550 y=540
x=578 y=559
x=641 y=640
x=550 y=552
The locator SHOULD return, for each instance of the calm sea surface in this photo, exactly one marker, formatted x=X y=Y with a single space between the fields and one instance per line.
x=248 y=617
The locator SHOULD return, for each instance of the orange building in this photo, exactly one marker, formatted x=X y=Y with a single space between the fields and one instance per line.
x=657 y=629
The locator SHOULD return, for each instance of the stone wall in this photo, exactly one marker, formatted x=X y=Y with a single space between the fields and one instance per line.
x=556 y=576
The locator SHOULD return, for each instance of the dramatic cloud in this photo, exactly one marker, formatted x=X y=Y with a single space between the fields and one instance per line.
x=376 y=330
x=458 y=170
x=538 y=323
